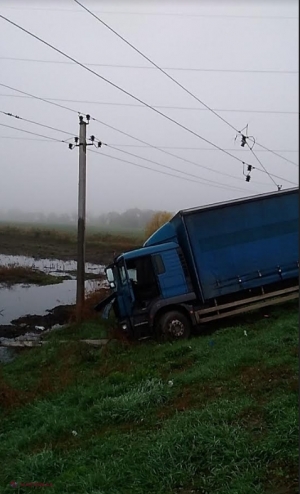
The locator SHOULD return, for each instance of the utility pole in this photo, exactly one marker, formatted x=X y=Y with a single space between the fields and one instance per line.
x=82 y=144
x=80 y=295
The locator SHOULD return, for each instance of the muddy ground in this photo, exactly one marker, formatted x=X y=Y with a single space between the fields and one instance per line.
x=59 y=315
x=51 y=244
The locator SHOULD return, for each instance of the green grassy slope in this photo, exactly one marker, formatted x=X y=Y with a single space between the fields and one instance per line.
x=215 y=414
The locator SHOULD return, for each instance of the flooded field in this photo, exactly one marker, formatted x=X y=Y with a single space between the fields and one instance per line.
x=20 y=299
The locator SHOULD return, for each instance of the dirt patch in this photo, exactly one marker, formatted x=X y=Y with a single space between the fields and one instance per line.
x=259 y=381
x=58 y=315
x=196 y=396
x=252 y=419
x=282 y=478
x=51 y=379
x=31 y=323
x=12 y=398
x=295 y=352
x=91 y=300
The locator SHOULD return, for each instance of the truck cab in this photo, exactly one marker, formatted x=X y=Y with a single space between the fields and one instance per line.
x=145 y=282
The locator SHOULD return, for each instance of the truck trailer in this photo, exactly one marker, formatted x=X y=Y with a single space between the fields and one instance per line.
x=208 y=263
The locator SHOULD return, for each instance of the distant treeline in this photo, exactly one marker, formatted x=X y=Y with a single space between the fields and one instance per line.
x=131 y=219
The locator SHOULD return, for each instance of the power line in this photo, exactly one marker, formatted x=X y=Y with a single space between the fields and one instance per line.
x=276 y=154
x=167 y=147
x=204 y=149
x=35 y=123
x=142 y=67
x=259 y=161
x=120 y=89
x=174 y=169
x=24 y=138
x=123 y=90
x=126 y=152
x=120 y=150
x=112 y=157
x=206 y=181
x=163 y=150
x=154 y=64
x=32 y=133
x=158 y=67
x=109 y=126
x=131 y=154
x=39 y=98
x=168 y=14
x=152 y=169
x=120 y=131
x=159 y=106
x=107 y=155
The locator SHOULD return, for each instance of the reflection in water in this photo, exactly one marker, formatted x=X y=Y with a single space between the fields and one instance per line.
x=48 y=265
x=20 y=300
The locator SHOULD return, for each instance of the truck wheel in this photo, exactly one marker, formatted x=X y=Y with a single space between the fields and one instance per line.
x=174 y=326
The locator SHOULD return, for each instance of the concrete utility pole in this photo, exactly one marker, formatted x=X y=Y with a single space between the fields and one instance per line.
x=80 y=292
x=82 y=144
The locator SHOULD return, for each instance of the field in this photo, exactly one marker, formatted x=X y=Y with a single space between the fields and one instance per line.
x=60 y=242
x=216 y=414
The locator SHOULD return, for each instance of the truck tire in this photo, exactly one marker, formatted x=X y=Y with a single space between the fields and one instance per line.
x=173 y=326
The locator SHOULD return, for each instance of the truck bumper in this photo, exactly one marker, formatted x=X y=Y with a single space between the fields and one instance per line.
x=134 y=329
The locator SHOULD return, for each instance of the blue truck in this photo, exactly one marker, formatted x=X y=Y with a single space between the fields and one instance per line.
x=208 y=263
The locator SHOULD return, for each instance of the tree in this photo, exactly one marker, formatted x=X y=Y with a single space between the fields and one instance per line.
x=157 y=220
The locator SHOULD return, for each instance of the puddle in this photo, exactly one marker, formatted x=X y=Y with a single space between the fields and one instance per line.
x=20 y=300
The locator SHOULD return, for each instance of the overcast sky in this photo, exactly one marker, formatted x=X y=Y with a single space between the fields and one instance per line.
x=239 y=49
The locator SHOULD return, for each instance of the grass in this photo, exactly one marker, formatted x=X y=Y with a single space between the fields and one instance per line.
x=11 y=275
x=72 y=228
x=214 y=414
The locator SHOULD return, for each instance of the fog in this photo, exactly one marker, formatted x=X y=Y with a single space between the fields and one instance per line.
x=248 y=56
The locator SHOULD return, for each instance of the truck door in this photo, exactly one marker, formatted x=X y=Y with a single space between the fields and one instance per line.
x=173 y=279
x=125 y=291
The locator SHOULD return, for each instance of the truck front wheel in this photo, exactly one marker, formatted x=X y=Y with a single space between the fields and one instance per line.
x=174 y=326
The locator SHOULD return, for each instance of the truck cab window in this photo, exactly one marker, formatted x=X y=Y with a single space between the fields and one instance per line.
x=159 y=264
x=141 y=272
x=122 y=273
